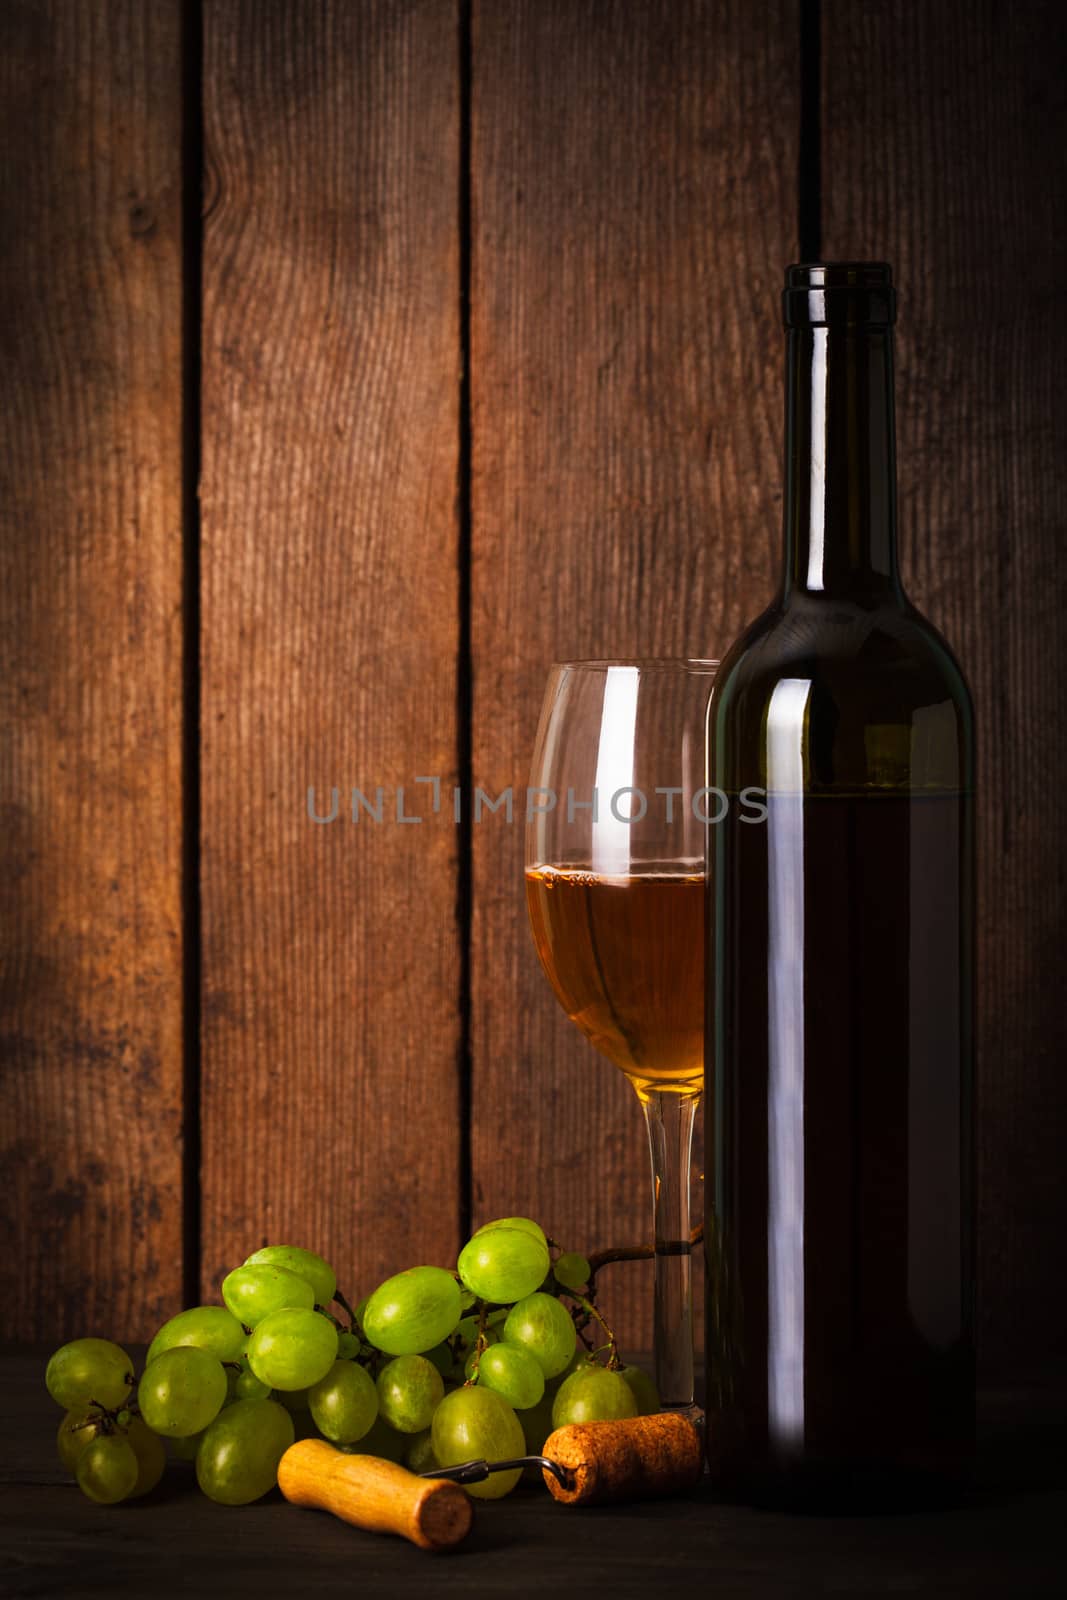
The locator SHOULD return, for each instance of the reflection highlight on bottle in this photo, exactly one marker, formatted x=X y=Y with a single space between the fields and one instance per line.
x=785 y=1148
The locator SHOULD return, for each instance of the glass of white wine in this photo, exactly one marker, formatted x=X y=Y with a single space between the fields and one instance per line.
x=615 y=880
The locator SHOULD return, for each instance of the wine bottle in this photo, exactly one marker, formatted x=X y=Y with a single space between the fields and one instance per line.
x=839 y=1238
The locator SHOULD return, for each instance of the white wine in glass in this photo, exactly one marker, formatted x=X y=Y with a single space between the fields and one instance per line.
x=615 y=887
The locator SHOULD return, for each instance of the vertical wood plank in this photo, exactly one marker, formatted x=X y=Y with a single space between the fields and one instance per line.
x=91 y=685
x=331 y=369
x=945 y=151
x=634 y=203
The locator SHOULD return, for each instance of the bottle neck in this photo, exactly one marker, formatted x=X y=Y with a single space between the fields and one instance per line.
x=840 y=499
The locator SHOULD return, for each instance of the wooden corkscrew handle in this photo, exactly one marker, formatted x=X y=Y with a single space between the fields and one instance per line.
x=375 y=1494
x=637 y=1459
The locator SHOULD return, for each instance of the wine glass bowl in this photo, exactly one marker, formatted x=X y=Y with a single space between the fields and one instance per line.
x=615 y=881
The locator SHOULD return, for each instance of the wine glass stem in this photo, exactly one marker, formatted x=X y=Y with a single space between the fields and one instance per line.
x=669 y=1119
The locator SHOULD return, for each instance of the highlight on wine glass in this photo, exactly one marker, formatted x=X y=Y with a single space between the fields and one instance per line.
x=615 y=878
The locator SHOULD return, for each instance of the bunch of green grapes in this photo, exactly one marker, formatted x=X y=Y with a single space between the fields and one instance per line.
x=433 y=1368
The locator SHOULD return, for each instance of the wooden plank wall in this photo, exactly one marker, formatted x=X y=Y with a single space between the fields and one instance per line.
x=412 y=499
x=945 y=150
x=330 y=1072
x=91 y=676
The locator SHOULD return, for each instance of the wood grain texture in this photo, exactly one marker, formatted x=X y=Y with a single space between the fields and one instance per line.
x=330 y=1087
x=633 y=205
x=91 y=680
x=945 y=151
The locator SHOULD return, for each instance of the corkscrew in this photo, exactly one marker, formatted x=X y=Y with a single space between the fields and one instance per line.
x=582 y=1464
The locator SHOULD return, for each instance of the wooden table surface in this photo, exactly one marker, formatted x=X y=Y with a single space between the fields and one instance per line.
x=1006 y=1538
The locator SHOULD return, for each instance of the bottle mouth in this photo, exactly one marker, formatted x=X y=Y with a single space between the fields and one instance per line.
x=839 y=294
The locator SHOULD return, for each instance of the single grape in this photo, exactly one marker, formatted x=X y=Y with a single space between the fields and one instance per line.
x=542 y=1326
x=380 y=1440
x=419 y=1456
x=512 y=1373
x=237 y=1461
x=504 y=1264
x=643 y=1390
x=466 y=1299
x=593 y=1394
x=347 y=1346
x=79 y=1427
x=107 y=1469
x=293 y=1348
x=252 y=1293
x=182 y=1391
x=208 y=1327
x=151 y=1457
x=89 y=1369
x=305 y=1263
x=344 y=1403
x=525 y=1224
x=413 y=1311
x=410 y=1388
x=249 y=1387
x=474 y=1423
x=572 y=1270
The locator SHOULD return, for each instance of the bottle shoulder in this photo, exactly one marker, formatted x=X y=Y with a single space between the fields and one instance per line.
x=878 y=690
x=830 y=642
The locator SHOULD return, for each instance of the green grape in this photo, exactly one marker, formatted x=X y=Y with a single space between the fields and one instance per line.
x=536 y=1423
x=347 y=1346
x=207 y=1327
x=525 y=1224
x=643 y=1390
x=344 y=1403
x=474 y=1423
x=185 y=1449
x=107 y=1469
x=151 y=1457
x=252 y=1293
x=512 y=1373
x=504 y=1264
x=410 y=1388
x=237 y=1461
x=593 y=1394
x=465 y=1340
x=79 y=1427
x=466 y=1299
x=419 y=1456
x=382 y=1441
x=541 y=1325
x=413 y=1311
x=293 y=1348
x=249 y=1387
x=89 y=1369
x=572 y=1270
x=305 y=1263
x=182 y=1391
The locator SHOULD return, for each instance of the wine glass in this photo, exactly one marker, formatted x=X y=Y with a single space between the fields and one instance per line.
x=615 y=870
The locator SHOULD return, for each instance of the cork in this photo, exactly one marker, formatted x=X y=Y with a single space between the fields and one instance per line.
x=638 y=1459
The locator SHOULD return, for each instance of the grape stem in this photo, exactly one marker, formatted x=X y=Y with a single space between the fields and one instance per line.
x=614 y=1363
x=354 y=1326
x=630 y=1252
x=480 y=1344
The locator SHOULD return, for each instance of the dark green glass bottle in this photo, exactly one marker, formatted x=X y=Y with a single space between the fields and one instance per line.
x=839 y=1056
